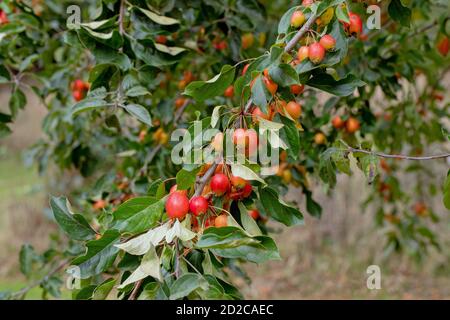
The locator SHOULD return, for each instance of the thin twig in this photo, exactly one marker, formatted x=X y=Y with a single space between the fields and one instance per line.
x=133 y=294
x=203 y=181
x=291 y=44
x=24 y=290
x=394 y=156
x=402 y=157
x=121 y=17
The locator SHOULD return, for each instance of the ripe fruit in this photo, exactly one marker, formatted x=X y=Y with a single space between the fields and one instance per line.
x=198 y=205
x=352 y=125
x=217 y=142
x=182 y=84
x=337 y=122
x=247 y=191
x=142 y=135
x=220 y=45
x=307 y=3
x=221 y=221
x=443 y=46
x=180 y=102
x=254 y=214
x=297 y=89
x=78 y=95
x=247 y=40
x=229 y=92
x=3 y=17
x=297 y=19
x=294 y=109
x=78 y=85
x=220 y=184
x=316 y=53
x=270 y=85
x=175 y=189
x=385 y=166
x=99 y=205
x=161 y=39
x=303 y=53
x=287 y=176
x=238 y=182
x=160 y=136
x=328 y=42
x=177 y=205
x=355 y=26
x=257 y=113
x=320 y=138
x=239 y=136
x=420 y=209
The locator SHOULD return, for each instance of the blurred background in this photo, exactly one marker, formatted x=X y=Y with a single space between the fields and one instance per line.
x=324 y=259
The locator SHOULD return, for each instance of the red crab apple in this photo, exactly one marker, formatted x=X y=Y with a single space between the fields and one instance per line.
x=177 y=205
x=220 y=184
x=328 y=42
x=294 y=109
x=303 y=53
x=316 y=53
x=198 y=205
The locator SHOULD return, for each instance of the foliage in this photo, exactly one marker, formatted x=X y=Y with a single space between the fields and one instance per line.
x=134 y=71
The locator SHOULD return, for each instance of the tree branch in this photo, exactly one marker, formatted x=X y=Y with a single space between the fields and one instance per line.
x=291 y=44
x=394 y=156
x=133 y=294
x=52 y=272
x=121 y=17
x=402 y=157
x=203 y=181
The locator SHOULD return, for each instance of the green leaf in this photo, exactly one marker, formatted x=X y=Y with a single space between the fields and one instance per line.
x=248 y=222
x=100 y=255
x=138 y=215
x=27 y=257
x=87 y=105
x=149 y=267
x=289 y=133
x=369 y=165
x=103 y=290
x=140 y=112
x=246 y=173
x=341 y=88
x=179 y=231
x=278 y=209
x=162 y=20
x=263 y=251
x=202 y=90
x=137 y=91
x=400 y=13
x=173 y=51
x=284 y=75
x=447 y=191
x=342 y=14
x=312 y=206
x=186 y=284
x=226 y=237
x=260 y=95
x=186 y=179
x=141 y=244
x=75 y=225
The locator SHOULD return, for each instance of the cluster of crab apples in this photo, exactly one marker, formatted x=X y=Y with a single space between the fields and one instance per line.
x=351 y=125
x=178 y=204
x=79 y=89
